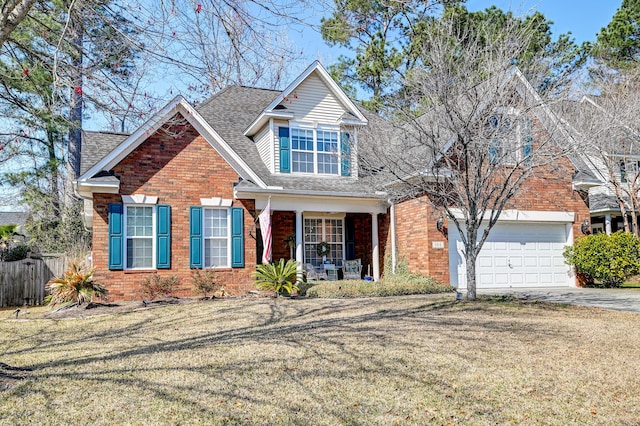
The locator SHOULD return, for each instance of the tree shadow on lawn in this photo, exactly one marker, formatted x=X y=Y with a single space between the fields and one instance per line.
x=324 y=328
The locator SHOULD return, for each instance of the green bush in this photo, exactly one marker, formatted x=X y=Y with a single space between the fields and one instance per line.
x=609 y=259
x=75 y=286
x=394 y=285
x=156 y=285
x=205 y=282
x=19 y=252
x=279 y=277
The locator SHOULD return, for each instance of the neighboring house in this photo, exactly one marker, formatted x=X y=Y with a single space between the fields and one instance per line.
x=184 y=191
x=14 y=218
x=615 y=159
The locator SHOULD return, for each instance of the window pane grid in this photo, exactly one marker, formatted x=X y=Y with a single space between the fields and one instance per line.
x=139 y=241
x=216 y=238
x=318 y=230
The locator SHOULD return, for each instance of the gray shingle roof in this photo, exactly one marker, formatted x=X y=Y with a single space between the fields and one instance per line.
x=231 y=111
x=13 y=218
x=96 y=145
x=603 y=202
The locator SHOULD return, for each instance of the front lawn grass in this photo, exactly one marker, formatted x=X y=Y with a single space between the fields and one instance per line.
x=379 y=361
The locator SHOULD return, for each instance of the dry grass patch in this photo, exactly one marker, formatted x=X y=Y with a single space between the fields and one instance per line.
x=406 y=360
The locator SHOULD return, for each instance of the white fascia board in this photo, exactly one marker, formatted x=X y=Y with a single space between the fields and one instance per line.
x=135 y=139
x=527 y=216
x=225 y=151
x=86 y=189
x=262 y=119
x=352 y=122
x=178 y=104
x=585 y=185
x=288 y=201
x=333 y=86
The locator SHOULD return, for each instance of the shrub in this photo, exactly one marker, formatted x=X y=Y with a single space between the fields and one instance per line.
x=205 y=282
x=279 y=277
x=610 y=259
x=395 y=285
x=156 y=285
x=75 y=286
x=19 y=252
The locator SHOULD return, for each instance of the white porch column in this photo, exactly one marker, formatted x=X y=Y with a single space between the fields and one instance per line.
x=375 y=255
x=607 y=224
x=299 y=240
x=394 y=260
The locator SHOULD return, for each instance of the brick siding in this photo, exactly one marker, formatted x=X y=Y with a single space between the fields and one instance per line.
x=180 y=167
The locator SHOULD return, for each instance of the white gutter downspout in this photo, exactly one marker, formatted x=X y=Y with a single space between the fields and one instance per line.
x=394 y=259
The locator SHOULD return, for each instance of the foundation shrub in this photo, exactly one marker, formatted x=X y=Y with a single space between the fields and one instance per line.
x=607 y=259
x=157 y=286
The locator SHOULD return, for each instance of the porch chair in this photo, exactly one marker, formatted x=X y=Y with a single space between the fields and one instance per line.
x=314 y=274
x=352 y=269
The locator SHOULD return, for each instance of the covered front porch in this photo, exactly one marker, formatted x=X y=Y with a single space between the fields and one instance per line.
x=325 y=232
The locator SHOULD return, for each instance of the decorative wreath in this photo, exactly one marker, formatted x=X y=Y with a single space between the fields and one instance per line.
x=323 y=248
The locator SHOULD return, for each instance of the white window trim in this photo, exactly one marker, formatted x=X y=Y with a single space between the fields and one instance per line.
x=204 y=239
x=315 y=127
x=153 y=236
x=516 y=156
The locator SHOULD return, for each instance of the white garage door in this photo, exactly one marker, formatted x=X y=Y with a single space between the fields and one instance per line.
x=518 y=255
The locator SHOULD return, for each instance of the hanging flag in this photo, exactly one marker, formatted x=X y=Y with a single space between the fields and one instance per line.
x=265 y=227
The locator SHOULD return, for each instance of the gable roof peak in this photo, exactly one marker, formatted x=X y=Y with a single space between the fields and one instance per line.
x=317 y=68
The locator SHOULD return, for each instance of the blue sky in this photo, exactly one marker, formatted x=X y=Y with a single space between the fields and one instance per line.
x=584 y=18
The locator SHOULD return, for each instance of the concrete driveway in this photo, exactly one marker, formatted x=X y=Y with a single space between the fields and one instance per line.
x=611 y=299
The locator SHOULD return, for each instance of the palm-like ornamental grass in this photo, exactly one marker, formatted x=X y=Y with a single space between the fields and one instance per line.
x=280 y=277
x=76 y=286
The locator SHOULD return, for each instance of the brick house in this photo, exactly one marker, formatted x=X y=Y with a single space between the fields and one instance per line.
x=183 y=192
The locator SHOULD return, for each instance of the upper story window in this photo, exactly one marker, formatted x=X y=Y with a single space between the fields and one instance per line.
x=511 y=139
x=629 y=169
x=323 y=151
x=314 y=151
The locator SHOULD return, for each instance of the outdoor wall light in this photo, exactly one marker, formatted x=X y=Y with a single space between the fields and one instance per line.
x=585 y=227
x=440 y=223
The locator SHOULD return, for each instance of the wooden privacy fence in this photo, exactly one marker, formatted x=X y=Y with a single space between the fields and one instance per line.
x=22 y=282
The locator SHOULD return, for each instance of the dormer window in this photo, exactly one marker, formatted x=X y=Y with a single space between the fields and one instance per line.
x=321 y=150
x=314 y=151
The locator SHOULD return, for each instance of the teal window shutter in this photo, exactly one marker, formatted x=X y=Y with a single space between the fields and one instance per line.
x=116 y=258
x=195 y=240
x=285 y=150
x=494 y=150
x=345 y=149
x=237 y=237
x=163 y=236
x=527 y=140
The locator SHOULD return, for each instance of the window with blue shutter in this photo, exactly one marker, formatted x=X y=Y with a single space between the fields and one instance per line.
x=237 y=237
x=345 y=148
x=116 y=258
x=195 y=240
x=163 y=236
x=285 y=150
x=527 y=140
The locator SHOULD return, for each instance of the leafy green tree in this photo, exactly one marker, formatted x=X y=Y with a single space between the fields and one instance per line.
x=380 y=33
x=389 y=41
x=618 y=44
